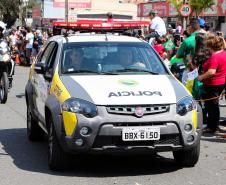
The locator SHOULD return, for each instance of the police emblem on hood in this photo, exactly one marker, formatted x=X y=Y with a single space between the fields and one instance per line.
x=139 y=112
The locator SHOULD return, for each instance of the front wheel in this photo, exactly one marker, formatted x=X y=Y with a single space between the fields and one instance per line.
x=187 y=158
x=57 y=158
x=4 y=87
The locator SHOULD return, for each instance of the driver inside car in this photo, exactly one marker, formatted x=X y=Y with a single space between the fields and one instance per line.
x=74 y=60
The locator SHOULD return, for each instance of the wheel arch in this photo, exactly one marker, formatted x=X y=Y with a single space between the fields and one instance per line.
x=53 y=110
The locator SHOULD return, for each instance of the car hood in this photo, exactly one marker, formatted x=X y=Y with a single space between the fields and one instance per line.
x=125 y=89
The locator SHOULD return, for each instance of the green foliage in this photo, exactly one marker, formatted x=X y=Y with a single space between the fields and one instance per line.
x=197 y=5
x=9 y=11
x=32 y=4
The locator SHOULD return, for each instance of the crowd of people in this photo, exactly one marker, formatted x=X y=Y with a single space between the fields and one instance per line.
x=203 y=56
x=26 y=43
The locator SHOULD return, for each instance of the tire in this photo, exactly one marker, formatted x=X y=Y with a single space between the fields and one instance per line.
x=34 y=131
x=4 y=87
x=57 y=158
x=187 y=158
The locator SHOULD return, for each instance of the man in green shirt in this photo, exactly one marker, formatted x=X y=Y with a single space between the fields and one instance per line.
x=188 y=45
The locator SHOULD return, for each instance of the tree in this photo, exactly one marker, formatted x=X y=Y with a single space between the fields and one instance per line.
x=198 y=6
x=9 y=11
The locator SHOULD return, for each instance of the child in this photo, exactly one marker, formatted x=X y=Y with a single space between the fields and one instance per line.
x=158 y=46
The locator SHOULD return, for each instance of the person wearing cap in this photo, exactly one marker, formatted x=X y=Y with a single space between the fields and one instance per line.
x=202 y=24
x=187 y=47
x=157 y=25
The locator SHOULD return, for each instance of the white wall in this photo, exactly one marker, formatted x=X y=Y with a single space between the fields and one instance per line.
x=98 y=6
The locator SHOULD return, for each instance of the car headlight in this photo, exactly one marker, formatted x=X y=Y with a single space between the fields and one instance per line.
x=185 y=105
x=80 y=106
x=6 y=57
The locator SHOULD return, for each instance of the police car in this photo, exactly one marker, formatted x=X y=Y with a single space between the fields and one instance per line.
x=108 y=93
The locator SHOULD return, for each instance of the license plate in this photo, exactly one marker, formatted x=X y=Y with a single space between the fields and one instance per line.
x=140 y=133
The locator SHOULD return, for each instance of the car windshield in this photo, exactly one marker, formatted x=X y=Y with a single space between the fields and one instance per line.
x=111 y=58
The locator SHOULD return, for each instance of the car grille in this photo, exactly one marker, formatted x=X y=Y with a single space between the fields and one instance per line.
x=137 y=124
x=130 y=110
x=101 y=141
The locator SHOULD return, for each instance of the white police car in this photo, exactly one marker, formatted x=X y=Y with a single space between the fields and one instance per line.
x=96 y=93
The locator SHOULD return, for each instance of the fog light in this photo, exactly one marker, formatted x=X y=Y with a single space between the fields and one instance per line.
x=188 y=127
x=79 y=142
x=190 y=138
x=84 y=131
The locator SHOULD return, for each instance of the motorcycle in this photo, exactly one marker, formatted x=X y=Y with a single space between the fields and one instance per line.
x=6 y=71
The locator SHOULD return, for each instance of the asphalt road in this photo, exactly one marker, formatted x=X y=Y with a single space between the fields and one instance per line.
x=24 y=162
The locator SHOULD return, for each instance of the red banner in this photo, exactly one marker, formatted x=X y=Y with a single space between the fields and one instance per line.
x=73 y=3
x=36 y=12
x=161 y=7
x=165 y=9
x=221 y=7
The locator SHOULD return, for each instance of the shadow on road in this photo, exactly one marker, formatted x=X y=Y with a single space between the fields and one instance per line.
x=33 y=157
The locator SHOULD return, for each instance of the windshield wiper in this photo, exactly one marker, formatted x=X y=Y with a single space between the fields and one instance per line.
x=135 y=70
x=90 y=71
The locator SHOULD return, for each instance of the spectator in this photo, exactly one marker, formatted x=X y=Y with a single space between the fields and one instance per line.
x=213 y=78
x=186 y=34
x=202 y=25
x=179 y=28
x=188 y=45
x=29 y=44
x=158 y=46
x=157 y=25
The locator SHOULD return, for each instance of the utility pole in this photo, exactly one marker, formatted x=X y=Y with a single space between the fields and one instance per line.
x=66 y=10
x=185 y=18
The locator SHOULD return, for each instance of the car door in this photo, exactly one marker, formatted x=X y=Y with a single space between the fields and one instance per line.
x=44 y=80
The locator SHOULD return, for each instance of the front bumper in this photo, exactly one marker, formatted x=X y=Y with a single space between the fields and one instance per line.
x=106 y=132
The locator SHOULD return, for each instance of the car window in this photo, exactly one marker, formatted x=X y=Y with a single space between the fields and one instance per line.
x=115 y=57
x=46 y=53
x=52 y=57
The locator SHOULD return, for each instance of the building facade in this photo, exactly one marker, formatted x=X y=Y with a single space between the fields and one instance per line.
x=214 y=15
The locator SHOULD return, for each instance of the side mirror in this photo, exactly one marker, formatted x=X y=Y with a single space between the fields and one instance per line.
x=40 y=68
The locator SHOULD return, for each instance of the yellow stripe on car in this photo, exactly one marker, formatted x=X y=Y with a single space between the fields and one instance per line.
x=61 y=93
x=194 y=118
x=70 y=122
x=59 y=90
